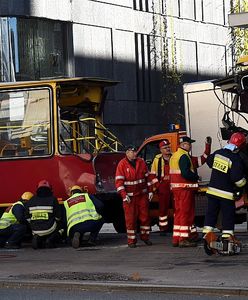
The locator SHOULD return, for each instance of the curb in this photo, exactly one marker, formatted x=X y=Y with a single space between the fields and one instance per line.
x=135 y=287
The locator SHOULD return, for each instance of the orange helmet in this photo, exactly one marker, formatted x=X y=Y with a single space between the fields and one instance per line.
x=44 y=183
x=238 y=139
x=27 y=196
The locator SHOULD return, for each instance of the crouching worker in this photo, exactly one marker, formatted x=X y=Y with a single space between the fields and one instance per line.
x=82 y=215
x=13 y=225
x=43 y=213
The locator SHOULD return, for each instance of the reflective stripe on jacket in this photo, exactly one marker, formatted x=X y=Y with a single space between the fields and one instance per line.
x=160 y=168
x=177 y=180
x=79 y=208
x=227 y=173
x=43 y=214
x=8 y=218
x=132 y=181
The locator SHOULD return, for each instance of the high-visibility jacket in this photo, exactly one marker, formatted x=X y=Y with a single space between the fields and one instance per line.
x=132 y=181
x=160 y=167
x=80 y=208
x=160 y=170
x=8 y=218
x=177 y=180
x=227 y=174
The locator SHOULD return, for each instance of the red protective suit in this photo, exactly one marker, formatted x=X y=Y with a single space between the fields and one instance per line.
x=161 y=180
x=183 y=192
x=134 y=182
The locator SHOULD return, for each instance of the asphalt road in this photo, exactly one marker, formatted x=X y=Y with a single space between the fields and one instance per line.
x=116 y=271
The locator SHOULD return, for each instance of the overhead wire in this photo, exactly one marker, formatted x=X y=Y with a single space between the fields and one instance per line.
x=227 y=106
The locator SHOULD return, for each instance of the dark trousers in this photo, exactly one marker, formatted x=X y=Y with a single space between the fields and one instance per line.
x=49 y=240
x=12 y=234
x=92 y=226
x=227 y=208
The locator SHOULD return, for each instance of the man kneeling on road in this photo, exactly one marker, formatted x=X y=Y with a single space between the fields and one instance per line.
x=82 y=215
x=43 y=213
x=13 y=225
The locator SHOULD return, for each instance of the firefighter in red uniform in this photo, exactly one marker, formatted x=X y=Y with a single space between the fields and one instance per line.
x=133 y=185
x=161 y=180
x=183 y=185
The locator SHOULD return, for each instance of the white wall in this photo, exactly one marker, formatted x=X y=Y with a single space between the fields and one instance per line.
x=204 y=114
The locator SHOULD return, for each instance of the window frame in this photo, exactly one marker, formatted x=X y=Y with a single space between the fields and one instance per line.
x=51 y=119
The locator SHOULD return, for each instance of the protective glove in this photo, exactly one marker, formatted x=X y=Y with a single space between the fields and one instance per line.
x=208 y=140
x=127 y=199
x=150 y=195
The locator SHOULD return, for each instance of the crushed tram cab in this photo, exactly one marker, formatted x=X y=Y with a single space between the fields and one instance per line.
x=52 y=129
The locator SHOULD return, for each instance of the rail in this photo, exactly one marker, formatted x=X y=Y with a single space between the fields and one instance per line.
x=97 y=136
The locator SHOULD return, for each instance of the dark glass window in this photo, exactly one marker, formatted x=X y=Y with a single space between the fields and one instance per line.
x=25 y=124
x=32 y=49
x=143 y=67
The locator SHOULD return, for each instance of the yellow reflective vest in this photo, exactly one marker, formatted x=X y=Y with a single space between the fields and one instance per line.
x=160 y=168
x=8 y=218
x=79 y=208
x=177 y=180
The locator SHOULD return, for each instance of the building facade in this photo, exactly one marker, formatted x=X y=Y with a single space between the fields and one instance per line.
x=151 y=46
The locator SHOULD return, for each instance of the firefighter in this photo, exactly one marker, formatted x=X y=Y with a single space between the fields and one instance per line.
x=227 y=180
x=13 y=225
x=43 y=213
x=161 y=181
x=183 y=185
x=83 y=215
x=135 y=188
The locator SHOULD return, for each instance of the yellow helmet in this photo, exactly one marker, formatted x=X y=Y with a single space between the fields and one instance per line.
x=76 y=187
x=27 y=196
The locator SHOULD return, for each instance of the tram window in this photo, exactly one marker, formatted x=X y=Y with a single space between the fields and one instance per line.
x=77 y=135
x=25 y=123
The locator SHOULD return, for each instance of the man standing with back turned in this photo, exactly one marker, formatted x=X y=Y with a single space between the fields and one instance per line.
x=133 y=185
x=227 y=182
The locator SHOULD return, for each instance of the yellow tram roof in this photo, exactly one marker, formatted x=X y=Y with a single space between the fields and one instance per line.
x=73 y=81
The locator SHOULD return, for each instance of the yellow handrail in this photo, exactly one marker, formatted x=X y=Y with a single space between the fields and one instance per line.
x=103 y=140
